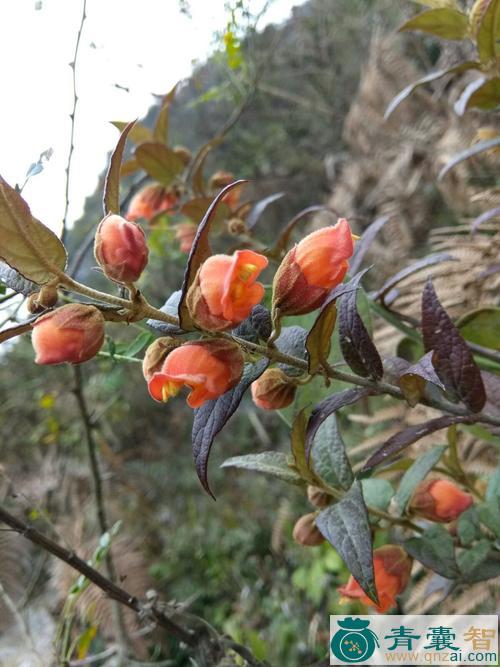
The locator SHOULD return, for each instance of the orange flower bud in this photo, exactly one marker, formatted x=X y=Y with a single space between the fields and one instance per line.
x=273 y=390
x=439 y=500
x=221 y=178
x=306 y=533
x=312 y=268
x=149 y=202
x=156 y=354
x=392 y=568
x=317 y=497
x=72 y=333
x=120 y=248
x=208 y=368
x=185 y=234
x=224 y=290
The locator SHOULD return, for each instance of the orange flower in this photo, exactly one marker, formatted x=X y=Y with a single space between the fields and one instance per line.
x=306 y=533
x=185 y=233
x=72 y=333
x=150 y=202
x=120 y=248
x=311 y=269
x=439 y=500
x=208 y=368
x=225 y=289
x=392 y=567
x=273 y=390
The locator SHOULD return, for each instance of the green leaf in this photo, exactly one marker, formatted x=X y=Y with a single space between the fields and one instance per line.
x=161 y=125
x=196 y=208
x=270 y=463
x=329 y=455
x=469 y=559
x=377 y=493
x=298 y=438
x=319 y=339
x=489 y=515
x=346 y=526
x=468 y=528
x=25 y=243
x=111 y=199
x=160 y=162
x=488 y=42
x=139 y=343
x=436 y=4
x=435 y=550
x=443 y=22
x=482 y=327
x=416 y=474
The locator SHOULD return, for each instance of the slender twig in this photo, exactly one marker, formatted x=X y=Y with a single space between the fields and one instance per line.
x=99 y=498
x=72 y=116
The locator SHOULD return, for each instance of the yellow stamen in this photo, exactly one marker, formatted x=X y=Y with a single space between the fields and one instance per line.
x=355 y=237
x=246 y=271
x=168 y=390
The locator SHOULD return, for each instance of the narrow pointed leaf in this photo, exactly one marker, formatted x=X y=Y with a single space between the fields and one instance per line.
x=357 y=347
x=269 y=463
x=212 y=416
x=138 y=134
x=416 y=473
x=421 y=264
x=111 y=199
x=476 y=149
x=298 y=438
x=346 y=526
x=27 y=245
x=442 y=22
x=200 y=251
x=363 y=245
x=452 y=359
x=409 y=435
x=328 y=407
x=319 y=338
x=329 y=455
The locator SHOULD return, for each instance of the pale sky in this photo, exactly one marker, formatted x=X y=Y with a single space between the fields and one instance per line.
x=143 y=45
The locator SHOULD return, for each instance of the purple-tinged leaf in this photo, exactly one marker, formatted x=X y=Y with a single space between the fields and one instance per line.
x=200 y=251
x=491 y=383
x=329 y=456
x=476 y=149
x=424 y=263
x=111 y=199
x=484 y=217
x=212 y=416
x=413 y=380
x=433 y=76
x=409 y=435
x=357 y=347
x=330 y=405
x=15 y=281
x=259 y=207
x=347 y=528
x=452 y=360
x=363 y=245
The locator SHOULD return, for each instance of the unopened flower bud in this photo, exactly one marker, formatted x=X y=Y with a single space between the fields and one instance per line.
x=209 y=368
x=72 y=333
x=45 y=298
x=121 y=249
x=236 y=226
x=156 y=354
x=185 y=233
x=317 y=497
x=221 y=178
x=306 y=533
x=225 y=290
x=439 y=500
x=392 y=569
x=273 y=390
x=183 y=153
x=152 y=200
x=312 y=268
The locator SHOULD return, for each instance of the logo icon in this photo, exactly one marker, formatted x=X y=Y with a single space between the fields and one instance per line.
x=354 y=642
